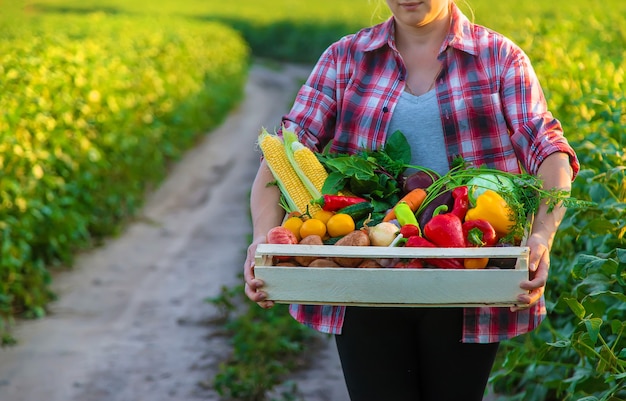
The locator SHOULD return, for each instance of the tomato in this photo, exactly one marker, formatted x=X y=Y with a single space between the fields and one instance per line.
x=323 y=215
x=340 y=224
x=313 y=227
x=294 y=224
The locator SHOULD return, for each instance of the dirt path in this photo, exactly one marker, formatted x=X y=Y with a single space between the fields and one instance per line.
x=131 y=323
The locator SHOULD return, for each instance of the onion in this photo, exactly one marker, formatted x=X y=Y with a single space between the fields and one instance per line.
x=383 y=234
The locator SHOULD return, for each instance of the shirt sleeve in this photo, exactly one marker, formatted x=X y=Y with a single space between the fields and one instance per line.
x=313 y=114
x=536 y=133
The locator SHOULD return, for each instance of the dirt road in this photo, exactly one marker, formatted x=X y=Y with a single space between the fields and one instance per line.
x=131 y=323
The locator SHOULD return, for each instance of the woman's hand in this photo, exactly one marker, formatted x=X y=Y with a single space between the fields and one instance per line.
x=538 y=267
x=253 y=285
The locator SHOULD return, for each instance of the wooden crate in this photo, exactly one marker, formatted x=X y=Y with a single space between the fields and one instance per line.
x=391 y=286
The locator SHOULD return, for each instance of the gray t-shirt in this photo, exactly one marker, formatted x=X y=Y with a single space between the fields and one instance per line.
x=418 y=118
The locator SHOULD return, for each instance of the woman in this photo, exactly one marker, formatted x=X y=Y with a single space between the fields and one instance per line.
x=454 y=89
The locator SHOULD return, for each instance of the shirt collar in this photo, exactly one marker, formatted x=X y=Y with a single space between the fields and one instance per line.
x=461 y=34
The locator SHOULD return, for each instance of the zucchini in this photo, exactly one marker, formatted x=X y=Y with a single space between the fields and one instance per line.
x=358 y=210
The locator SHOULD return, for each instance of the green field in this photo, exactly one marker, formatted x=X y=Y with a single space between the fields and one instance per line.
x=578 y=50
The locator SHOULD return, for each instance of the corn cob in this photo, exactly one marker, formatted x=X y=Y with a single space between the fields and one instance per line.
x=292 y=189
x=310 y=166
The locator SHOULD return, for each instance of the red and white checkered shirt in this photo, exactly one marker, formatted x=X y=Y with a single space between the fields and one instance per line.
x=493 y=113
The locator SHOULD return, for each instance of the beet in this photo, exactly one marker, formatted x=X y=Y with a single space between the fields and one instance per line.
x=444 y=198
x=419 y=179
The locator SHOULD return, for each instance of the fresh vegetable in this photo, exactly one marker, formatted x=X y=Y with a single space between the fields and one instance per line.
x=323 y=262
x=409 y=230
x=383 y=234
x=420 y=179
x=461 y=201
x=445 y=230
x=492 y=207
x=340 y=224
x=307 y=166
x=294 y=224
x=369 y=264
x=293 y=191
x=355 y=238
x=475 y=263
x=496 y=182
x=281 y=235
x=375 y=174
x=404 y=214
x=478 y=233
x=334 y=203
x=426 y=213
x=409 y=264
x=444 y=263
x=309 y=240
x=358 y=210
x=323 y=215
x=312 y=227
x=412 y=199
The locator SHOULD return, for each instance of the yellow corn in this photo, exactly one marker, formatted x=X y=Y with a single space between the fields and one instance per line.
x=310 y=165
x=292 y=188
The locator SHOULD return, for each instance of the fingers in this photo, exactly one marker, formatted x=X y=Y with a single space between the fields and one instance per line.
x=538 y=266
x=529 y=299
x=253 y=285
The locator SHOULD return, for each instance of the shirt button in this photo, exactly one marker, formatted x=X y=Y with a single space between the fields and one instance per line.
x=385 y=109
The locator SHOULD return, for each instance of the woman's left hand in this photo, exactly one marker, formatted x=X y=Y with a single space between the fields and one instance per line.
x=538 y=267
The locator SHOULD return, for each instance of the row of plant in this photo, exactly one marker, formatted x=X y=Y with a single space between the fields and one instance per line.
x=93 y=108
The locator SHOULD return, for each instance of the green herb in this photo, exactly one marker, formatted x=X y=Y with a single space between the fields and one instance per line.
x=374 y=174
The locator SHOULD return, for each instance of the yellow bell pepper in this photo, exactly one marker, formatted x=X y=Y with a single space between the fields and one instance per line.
x=492 y=207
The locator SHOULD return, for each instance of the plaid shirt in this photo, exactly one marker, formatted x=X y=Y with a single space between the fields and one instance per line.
x=493 y=113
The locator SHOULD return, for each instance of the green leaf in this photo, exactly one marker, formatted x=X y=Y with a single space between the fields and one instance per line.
x=599 y=226
x=584 y=263
x=576 y=307
x=593 y=328
x=334 y=183
x=352 y=167
x=398 y=148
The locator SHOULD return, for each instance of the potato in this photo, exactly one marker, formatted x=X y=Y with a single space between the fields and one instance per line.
x=308 y=240
x=355 y=238
x=287 y=264
x=369 y=264
x=323 y=262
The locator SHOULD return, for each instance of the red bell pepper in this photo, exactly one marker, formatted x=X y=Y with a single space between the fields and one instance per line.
x=421 y=242
x=461 y=201
x=445 y=230
x=478 y=233
x=409 y=230
x=332 y=203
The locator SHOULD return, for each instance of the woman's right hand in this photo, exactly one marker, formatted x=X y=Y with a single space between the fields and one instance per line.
x=253 y=286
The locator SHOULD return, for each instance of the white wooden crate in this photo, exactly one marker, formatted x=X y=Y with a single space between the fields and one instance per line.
x=391 y=286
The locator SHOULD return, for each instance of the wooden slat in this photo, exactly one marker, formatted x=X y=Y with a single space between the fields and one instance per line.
x=388 y=286
x=391 y=287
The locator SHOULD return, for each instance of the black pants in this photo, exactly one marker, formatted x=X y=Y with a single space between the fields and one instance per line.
x=411 y=354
